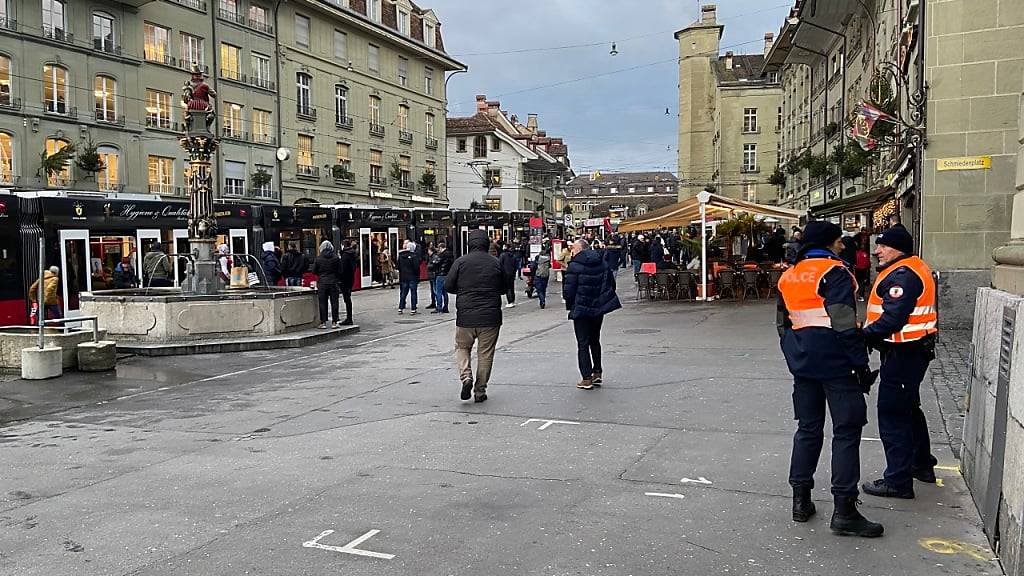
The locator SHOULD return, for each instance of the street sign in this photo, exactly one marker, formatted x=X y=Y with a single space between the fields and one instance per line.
x=568 y=220
x=964 y=163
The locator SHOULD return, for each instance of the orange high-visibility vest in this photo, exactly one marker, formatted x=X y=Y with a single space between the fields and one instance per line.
x=799 y=289
x=923 y=318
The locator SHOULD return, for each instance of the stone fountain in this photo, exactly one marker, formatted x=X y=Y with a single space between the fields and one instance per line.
x=204 y=315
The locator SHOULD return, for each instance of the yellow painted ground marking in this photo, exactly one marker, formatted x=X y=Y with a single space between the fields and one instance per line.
x=939 y=482
x=951 y=547
x=949 y=468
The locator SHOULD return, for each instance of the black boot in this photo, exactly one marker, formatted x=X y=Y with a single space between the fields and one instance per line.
x=803 y=508
x=847 y=521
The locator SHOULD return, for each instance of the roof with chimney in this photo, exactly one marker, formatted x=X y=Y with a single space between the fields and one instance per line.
x=739 y=68
x=585 y=184
x=490 y=118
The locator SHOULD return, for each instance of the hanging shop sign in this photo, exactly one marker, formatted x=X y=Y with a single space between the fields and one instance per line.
x=964 y=163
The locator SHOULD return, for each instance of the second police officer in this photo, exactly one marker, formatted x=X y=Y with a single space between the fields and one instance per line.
x=901 y=324
x=825 y=352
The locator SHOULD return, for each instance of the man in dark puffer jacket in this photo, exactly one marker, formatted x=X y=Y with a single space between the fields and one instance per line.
x=478 y=282
x=589 y=293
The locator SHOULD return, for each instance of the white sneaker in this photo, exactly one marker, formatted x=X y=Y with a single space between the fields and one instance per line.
x=510 y=305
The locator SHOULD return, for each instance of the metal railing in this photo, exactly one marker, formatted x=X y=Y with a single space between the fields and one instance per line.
x=304 y=171
x=405 y=137
x=431 y=142
x=343 y=122
x=377 y=130
x=306 y=112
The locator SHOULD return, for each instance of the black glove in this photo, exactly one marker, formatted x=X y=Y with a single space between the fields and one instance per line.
x=866 y=378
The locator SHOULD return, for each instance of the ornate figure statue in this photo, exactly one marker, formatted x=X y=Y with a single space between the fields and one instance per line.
x=196 y=95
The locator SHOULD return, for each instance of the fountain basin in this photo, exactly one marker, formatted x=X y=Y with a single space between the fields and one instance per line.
x=165 y=315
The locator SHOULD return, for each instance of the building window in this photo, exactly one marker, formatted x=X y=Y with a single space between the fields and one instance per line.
x=778 y=121
x=613 y=190
x=161 y=175
x=428 y=81
x=105 y=91
x=5 y=81
x=103 y=32
x=403 y=71
x=341 y=47
x=158 y=109
x=261 y=70
x=264 y=190
x=109 y=177
x=374 y=8
x=403 y=117
x=192 y=51
x=303 y=82
x=750 y=119
x=340 y=104
x=376 y=167
x=232 y=120
x=6 y=158
x=234 y=178
x=460 y=145
x=302 y=31
x=261 y=126
x=305 y=157
x=403 y=22
x=229 y=61
x=428 y=33
x=495 y=143
x=480 y=147
x=343 y=152
x=750 y=192
x=157 y=41
x=650 y=189
x=229 y=9
x=62 y=178
x=492 y=203
x=54 y=23
x=259 y=18
x=492 y=178
x=55 y=89
x=374 y=111
x=373 y=59
x=750 y=157
x=405 y=172
x=429 y=126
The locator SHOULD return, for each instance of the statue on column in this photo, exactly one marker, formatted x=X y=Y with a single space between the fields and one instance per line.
x=196 y=95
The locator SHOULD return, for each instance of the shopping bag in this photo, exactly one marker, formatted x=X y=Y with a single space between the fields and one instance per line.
x=239 y=277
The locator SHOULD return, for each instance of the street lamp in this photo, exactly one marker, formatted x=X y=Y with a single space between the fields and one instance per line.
x=703 y=197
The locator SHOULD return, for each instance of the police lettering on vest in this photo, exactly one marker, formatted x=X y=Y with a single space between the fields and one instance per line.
x=923 y=318
x=799 y=288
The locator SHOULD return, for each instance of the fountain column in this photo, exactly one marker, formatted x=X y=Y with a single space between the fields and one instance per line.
x=201 y=142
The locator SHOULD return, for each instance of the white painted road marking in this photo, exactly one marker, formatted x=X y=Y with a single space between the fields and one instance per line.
x=663 y=495
x=349 y=548
x=547 y=423
x=700 y=480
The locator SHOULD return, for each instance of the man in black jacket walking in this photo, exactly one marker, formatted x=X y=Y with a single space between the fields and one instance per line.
x=589 y=294
x=478 y=283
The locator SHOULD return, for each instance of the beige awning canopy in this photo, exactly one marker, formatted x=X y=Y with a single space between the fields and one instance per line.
x=685 y=212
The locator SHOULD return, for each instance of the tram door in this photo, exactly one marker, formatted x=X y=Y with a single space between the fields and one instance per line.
x=464 y=240
x=366 y=262
x=76 y=270
x=143 y=238
x=180 y=247
x=239 y=241
x=393 y=245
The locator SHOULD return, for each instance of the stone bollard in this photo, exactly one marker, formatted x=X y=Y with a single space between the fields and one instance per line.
x=97 y=356
x=41 y=363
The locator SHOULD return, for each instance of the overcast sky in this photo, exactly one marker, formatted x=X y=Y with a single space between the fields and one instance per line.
x=614 y=120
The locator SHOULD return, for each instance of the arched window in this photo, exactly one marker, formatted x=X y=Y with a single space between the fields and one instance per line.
x=480 y=147
x=109 y=177
x=103 y=34
x=62 y=178
x=5 y=81
x=55 y=89
x=106 y=99
x=6 y=158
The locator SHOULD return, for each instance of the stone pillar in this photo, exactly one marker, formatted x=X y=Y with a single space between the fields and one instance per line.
x=1008 y=273
x=201 y=144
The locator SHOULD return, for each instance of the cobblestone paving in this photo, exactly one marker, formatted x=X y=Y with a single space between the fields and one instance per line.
x=949 y=374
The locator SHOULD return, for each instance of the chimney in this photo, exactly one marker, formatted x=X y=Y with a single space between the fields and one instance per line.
x=769 y=39
x=728 y=60
x=481 y=103
x=531 y=122
x=707 y=14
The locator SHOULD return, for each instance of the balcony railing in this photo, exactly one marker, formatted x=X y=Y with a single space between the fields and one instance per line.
x=377 y=130
x=232 y=134
x=751 y=130
x=230 y=74
x=430 y=189
x=306 y=113
x=187 y=65
x=108 y=117
x=304 y=171
x=59 y=181
x=166 y=189
x=193 y=4
x=162 y=123
x=58 y=34
x=264 y=83
x=234 y=191
x=8 y=103
x=60 y=108
x=105 y=45
x=749 y=170
x=231 y=16
x=264 y=27
x=343 y=122
x=8 y=23
x=405 y=184
x=258 y=138
x=405 y=137
x=377 y=181
x=156 y=56
x=431 y=142
x=264 y=192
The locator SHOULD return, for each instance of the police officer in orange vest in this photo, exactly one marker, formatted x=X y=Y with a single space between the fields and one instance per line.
x=901 y=324
x=825 y=352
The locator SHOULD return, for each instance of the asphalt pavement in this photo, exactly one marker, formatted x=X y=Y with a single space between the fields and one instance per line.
x=356 y=457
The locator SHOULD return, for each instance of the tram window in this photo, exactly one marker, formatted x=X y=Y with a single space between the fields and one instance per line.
x=106 y=253
x=10 y=285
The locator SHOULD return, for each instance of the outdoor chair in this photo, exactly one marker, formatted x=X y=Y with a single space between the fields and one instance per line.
x=750 y=280
x=774 y=275
x=727 y=283
x=666 y=284
x=683 y=281
x=643 y=283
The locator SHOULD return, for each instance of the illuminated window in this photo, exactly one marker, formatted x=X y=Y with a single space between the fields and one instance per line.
x=6 y=158
x=161 y=175
x=261 y=126
x=109 y=177
x=192 y=51
x=376 y=167
x=305 y=157
x=158 y=109
x=55 y=89
x=157 y=40
x=230 y=57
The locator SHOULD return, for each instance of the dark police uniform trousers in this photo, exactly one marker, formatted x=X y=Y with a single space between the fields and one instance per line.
x=849 y=413
x=901 y=423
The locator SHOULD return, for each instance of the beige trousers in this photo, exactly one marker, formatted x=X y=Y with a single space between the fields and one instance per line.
x=486 y=340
